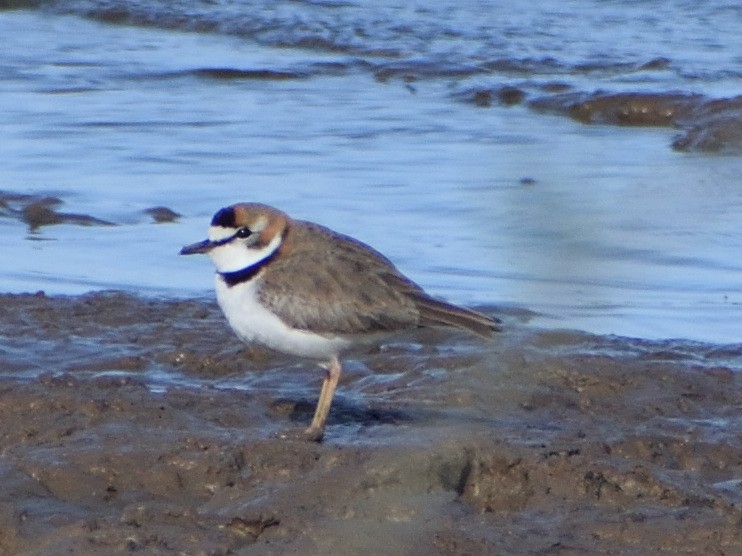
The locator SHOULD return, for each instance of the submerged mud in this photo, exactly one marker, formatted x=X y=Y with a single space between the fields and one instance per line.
x=143 y=425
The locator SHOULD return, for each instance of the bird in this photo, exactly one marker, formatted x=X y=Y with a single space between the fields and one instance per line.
x=303 y=289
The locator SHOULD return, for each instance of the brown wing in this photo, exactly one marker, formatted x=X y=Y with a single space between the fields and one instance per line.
x=333 y=284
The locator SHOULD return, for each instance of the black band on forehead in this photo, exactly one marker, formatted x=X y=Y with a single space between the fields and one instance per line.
x=224 y=218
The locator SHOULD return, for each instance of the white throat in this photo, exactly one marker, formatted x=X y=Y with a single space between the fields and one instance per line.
x=237 y=254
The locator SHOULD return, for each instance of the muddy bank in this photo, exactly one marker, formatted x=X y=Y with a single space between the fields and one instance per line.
x=706 y=125
x=142 y=425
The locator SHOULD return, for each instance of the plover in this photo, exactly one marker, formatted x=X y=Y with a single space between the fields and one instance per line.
x=303 y=289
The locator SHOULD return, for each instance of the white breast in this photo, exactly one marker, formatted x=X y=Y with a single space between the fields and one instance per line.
x=252 y=322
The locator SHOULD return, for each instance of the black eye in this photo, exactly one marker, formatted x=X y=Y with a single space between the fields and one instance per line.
x=243 y=232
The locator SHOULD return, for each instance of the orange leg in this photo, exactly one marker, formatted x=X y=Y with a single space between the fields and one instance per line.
x=317 y=429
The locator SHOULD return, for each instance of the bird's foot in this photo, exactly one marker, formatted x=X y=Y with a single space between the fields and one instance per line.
x=309 y=434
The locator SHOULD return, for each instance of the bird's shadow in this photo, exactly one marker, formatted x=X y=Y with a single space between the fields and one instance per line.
x=343 y=412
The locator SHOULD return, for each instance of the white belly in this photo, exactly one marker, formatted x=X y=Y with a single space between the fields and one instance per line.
x=254 y=323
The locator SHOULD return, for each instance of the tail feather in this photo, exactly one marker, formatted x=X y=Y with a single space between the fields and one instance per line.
x=439 y=313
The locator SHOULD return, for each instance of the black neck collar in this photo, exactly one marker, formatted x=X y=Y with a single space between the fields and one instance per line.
x=248 y=273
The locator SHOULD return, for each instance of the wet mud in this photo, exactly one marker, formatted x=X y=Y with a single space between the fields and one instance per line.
x=142 y=425
x=704 y=124
x=37 y=211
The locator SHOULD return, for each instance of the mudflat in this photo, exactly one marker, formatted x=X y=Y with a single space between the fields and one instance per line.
x=142 y=425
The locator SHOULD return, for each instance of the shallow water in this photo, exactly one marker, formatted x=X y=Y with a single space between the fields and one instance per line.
x=354 y=118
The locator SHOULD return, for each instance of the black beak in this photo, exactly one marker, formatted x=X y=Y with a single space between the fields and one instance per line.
x=197 y=248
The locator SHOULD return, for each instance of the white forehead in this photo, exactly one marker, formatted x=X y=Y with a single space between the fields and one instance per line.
x=217 y=233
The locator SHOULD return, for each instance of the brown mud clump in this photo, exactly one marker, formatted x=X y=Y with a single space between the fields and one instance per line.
x=43 y=213
x=38 y=211
x=141 y=425
x=162 y=215
x=716 y=126
x=625 y=109
x=257 y=74
x=706 y=125
x=503 y=96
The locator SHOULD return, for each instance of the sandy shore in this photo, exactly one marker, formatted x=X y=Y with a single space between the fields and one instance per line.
x=132 y=425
